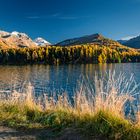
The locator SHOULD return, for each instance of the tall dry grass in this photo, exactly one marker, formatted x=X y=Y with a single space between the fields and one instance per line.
x=108 y=93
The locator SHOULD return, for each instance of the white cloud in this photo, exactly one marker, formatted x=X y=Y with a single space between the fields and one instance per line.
x=73 y=17
x=58 y=16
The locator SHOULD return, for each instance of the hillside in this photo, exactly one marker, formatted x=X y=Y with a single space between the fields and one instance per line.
x=95 y=39
x=19 y=40
x=133 y=42
x=15 y=40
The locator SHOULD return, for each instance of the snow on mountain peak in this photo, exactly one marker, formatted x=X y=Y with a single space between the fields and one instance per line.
x=41 y=42
x=15 y=33
x=3 y=33
x=17 y=39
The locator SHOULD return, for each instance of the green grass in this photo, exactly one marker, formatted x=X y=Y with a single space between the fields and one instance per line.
x=101 y=124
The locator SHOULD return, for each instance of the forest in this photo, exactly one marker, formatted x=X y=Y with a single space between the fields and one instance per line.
x=89 y=53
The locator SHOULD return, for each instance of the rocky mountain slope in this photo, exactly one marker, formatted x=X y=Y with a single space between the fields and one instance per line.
x=19 y=40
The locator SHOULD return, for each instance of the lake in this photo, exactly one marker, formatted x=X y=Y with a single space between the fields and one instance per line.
x=61 y=78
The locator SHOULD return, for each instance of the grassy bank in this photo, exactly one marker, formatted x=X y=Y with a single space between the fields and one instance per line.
x=97 y=113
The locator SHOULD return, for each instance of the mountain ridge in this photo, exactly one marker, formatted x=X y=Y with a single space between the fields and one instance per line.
x=18 y=40
x=133 y=42
x=88 y=39
x=21 y=40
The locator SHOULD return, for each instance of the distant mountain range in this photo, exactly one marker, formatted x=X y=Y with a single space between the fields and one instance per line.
x=19 y=40
x=101 y=40
x=133 y=42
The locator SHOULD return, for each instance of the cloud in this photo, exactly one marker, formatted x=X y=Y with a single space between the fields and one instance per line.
x=73 y=17
x=68 y=17
x=33 y=17
x=43 y=16
x=58 y=16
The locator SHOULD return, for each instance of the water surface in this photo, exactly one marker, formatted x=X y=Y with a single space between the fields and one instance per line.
x=63 y=78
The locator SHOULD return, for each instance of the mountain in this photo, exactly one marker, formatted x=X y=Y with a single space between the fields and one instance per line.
x=122 y=41
x=20 y=40
x=133 y=42
x=4 y=34
x=89 y=39
x=41 y=42
x=15 y=40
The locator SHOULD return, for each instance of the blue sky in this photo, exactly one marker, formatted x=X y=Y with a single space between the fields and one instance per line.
x=56 y=20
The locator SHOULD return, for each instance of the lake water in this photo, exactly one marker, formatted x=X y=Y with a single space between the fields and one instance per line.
x=63 y=78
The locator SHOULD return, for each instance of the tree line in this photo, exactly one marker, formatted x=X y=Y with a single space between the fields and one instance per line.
x=72 y=54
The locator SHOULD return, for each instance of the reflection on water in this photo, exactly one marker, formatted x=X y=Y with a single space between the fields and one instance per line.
x=47 y=79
